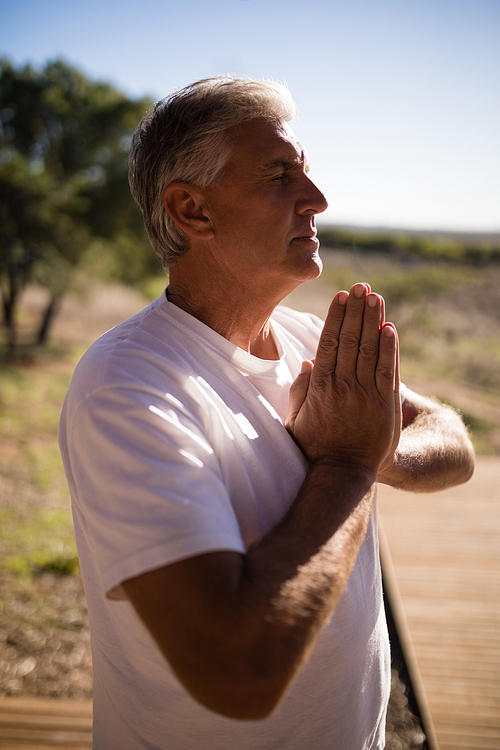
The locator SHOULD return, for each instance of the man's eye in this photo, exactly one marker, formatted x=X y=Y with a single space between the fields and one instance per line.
x=278 y=177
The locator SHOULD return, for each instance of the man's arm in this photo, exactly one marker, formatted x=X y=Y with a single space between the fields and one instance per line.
x=236 y=628
x=434 y=451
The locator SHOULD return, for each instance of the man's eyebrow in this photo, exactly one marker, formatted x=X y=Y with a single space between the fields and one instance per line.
x=299 y=161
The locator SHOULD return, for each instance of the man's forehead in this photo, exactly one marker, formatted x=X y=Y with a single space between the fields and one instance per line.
x=267 y=142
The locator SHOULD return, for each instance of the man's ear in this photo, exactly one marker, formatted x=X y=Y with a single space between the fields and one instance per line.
x=185 y=204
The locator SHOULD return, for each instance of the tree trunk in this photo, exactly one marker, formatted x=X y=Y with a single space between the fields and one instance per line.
x=48 y=318
x=10 y=293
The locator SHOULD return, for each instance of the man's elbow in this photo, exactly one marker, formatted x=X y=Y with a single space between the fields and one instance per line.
x=460 y=454
x=252 y=708
x=468 y=463
x=246 y=683
x=241 y=698
x=461 y=463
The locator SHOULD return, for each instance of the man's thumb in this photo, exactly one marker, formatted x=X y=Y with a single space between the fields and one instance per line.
x=298 y=392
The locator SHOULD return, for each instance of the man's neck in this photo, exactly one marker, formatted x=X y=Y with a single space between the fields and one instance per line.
x=237 y=313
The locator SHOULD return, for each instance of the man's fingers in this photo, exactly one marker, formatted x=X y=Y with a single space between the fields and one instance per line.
x=385 y=376
x=350 y=334
x=373 y=319
x=397 y=399
x=389 y=459
x=326 y=353
x=298 y=393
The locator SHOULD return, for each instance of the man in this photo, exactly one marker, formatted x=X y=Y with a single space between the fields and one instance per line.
x=222 y=484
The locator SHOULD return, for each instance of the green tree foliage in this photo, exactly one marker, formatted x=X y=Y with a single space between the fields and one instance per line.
x=63 y=184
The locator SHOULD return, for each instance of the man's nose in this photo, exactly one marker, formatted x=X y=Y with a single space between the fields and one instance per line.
x=311 y=199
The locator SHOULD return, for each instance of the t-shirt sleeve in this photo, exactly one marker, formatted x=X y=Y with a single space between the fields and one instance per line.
x=146 y=484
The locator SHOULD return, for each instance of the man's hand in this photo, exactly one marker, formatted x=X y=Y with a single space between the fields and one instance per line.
x=346 y=408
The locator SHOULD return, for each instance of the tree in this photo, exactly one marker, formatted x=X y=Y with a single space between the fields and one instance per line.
x=63 y=150
x=24 y=226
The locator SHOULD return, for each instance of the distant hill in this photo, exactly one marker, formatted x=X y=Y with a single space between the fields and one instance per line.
x=478 y=239
x=474 y=248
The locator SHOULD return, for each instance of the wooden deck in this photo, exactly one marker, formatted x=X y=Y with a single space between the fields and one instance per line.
x=33 y=724
x=441 y=556
x=445 y=551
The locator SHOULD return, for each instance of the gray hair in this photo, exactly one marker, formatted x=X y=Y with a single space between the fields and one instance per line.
x=184 y=139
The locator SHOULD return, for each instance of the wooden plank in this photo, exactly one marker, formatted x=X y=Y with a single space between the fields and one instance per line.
x=46 y=706
x=397 y=612
x=33 y=724
x=445 y=552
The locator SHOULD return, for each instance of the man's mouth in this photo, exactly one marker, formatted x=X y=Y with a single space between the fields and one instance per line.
x=305 y=237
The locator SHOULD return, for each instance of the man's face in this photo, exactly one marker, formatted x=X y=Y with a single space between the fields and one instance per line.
x=263 y=213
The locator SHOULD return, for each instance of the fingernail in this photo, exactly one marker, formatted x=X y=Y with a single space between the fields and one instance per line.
x=388 y=330
x=372 y=300
x=342 y=298
x=359 y=290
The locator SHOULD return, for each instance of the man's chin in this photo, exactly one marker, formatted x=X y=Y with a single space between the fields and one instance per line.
x=315 y=267
x=319 y=264
x=310 y=272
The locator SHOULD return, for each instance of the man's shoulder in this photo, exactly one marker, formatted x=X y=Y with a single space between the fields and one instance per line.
x=159 y=347
x=130 y=352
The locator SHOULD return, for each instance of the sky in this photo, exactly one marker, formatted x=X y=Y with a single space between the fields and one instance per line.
x=398 y=101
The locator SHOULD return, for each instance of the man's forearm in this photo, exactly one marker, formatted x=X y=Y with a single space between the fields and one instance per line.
x=311 y=552
x=434 y=450
x=299 y=570
x=294 y=577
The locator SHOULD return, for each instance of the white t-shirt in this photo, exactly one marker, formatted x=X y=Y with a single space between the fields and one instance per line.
x=174 y=445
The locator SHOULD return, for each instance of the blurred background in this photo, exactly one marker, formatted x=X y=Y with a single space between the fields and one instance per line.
x=398 y=106
x=398 y=100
